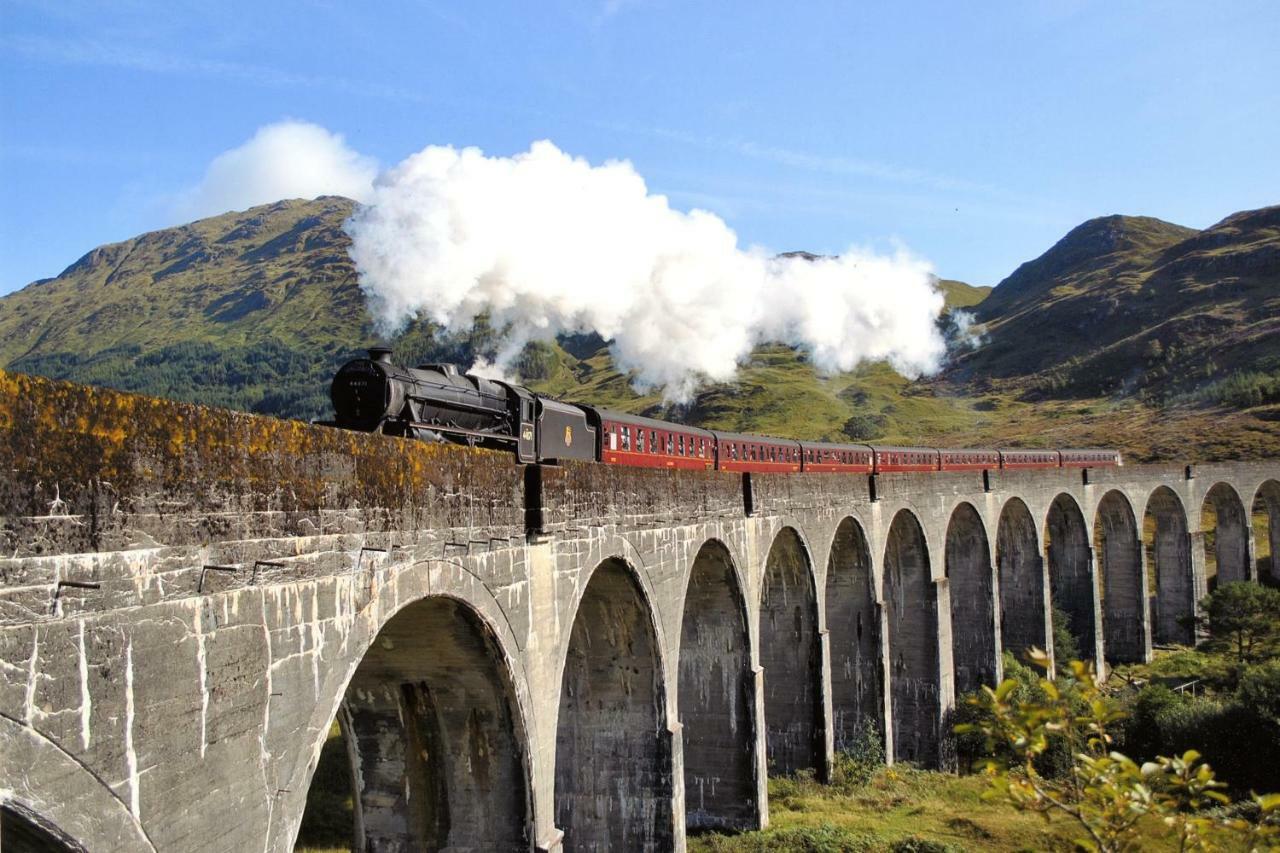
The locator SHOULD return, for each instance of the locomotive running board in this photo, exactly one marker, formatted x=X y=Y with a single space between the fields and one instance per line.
x=460 y=431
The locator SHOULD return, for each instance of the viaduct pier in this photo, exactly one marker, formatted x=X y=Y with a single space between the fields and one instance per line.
x=565 y=658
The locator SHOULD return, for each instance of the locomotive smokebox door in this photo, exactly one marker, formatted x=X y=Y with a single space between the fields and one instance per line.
x=563 y=432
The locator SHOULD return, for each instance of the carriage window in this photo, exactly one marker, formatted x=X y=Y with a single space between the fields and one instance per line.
x=640 y=441
x=626 y=438
x=680 y=445
x=671 y=445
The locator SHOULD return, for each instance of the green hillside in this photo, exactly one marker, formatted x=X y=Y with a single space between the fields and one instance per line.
x=1137 y=307
x=255 y=309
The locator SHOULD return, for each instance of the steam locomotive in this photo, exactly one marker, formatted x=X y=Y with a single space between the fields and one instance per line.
x=438 y=402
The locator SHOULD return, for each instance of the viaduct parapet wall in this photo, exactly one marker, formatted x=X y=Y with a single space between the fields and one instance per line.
x=574 y=657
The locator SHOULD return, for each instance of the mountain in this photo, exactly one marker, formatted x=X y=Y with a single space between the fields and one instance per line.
x=246 y=310
x=255 y=309
x=1136 y=306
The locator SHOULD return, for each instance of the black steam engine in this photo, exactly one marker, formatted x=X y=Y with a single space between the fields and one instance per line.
x=436 y=401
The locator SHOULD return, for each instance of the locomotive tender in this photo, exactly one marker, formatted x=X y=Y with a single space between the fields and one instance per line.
x=438 y=402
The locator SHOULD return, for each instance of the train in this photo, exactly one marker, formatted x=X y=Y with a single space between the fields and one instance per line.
x=439 y=402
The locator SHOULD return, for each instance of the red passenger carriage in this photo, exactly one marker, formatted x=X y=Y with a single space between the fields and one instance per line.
x=1015 y=459
x=968 y=460
x=898 y=459
x=836 y=458
x=649 y=443
x=757 y=453
x=1090 y=458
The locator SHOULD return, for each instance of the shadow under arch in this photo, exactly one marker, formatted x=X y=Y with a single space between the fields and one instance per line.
x=1122 y=587
x=1072 y=587
x=910 y=600
x=853 y=623
x=716 y=697
x=1223 y=517
x=1020 y=573
x=1266 y=503
x=968 y=571
x=434 y=734
x=1171 y=576
x=24 y=831
x=613 y=773
x=790 y=654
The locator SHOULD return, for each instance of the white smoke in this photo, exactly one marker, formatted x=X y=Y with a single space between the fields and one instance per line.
x=288 y=159
x=965 y=332
x=546 y=244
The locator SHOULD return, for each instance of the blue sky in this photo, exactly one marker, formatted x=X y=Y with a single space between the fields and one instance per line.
x=975 y=134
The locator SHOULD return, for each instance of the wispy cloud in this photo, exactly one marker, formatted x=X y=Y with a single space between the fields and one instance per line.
x=89 y=52
x=825 y=164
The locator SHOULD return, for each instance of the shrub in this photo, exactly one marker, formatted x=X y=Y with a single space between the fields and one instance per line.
x=1259 y=691
x=859 y=759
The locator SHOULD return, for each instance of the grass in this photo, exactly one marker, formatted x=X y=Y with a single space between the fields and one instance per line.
x=900 y=809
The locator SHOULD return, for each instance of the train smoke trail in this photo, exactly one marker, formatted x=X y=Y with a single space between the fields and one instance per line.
x=546 y=243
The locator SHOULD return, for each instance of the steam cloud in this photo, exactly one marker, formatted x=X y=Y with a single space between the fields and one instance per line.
x=546 y=243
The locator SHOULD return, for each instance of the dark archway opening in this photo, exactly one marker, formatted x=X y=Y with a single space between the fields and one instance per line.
x=1071 y=581
x=1224 y=525
x=1118 y=546
x=1020 y=569
x=430 y=729
x=910 y=599
x=973 y=630
x=22 y=831
x=1170 y=579
x=853 y=625
x=791 y=658
x=1266 y=532
x=613 y=753
x=717 y=698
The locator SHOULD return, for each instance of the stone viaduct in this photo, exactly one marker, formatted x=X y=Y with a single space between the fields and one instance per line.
x=558 y=658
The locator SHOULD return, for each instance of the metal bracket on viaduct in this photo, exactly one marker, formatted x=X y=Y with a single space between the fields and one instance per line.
x=576 y=657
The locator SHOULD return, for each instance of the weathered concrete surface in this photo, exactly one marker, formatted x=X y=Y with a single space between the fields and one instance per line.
x=189 y=598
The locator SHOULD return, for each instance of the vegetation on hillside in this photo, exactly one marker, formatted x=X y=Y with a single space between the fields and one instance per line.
x=1129 y=332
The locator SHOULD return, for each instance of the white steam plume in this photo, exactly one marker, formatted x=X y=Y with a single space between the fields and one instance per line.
x=546 y=243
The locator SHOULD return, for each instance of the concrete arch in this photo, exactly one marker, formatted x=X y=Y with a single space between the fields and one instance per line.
x=395 y=589
x=1072 y=585
x=431 y=724
x=1171 y=574
x=49 y=795
x=613 y=770
x=717 y=696
x=790 y=653
x=967 y=565
x=1118 y=545
x=910 y=600
x=1020 y=575
x=1266 y=502
x=1223 y=518
x=853 y=624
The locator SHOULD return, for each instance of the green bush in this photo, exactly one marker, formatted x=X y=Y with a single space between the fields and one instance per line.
x=1259 y=691
x=968 y=716
x=915 y=844
x=859 y=759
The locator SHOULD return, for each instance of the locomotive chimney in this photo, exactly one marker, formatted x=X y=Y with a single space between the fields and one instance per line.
x=382 y=355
